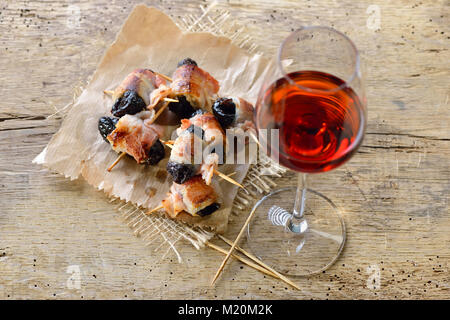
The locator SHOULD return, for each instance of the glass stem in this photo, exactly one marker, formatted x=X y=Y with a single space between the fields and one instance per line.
x=297 y=223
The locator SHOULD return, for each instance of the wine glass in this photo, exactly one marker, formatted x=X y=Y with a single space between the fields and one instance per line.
x=314 y=104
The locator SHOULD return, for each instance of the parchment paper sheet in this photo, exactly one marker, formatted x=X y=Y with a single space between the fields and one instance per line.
x=149 y=39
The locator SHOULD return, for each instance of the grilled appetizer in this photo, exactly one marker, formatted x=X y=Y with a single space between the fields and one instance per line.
x=234 y=112
x=194 y=197
x=212 y=131
x=133 y=94
x=193 y=87
x=201 y=133
x=137 y=137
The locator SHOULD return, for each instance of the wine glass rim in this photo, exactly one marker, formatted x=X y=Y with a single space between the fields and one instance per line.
x=347 y=82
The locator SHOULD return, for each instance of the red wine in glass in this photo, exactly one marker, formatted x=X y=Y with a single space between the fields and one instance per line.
x=311 y=116
x=318 y=128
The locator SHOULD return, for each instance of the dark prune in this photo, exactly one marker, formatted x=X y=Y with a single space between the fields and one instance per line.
x=199 y=132
x=181 y=172
x=106 y=125
x=129 y=103
x=156 y=153
x=186 y=61
x=208 y=210
x=224 y=110
x=183 y=109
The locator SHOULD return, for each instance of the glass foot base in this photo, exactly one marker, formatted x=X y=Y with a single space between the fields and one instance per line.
x=316 y=246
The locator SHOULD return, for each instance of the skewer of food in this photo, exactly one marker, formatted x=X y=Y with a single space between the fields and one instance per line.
x=192 y=87
x=193 y=197
x=207 y=168
x=234 y=112
x=134 y=135
x=198 y=140
x=133 y=94
x=190 y=95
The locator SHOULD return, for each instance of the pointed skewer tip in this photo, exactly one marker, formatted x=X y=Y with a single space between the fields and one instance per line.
x=227 y=178
x=123 y=154
x=154 y=210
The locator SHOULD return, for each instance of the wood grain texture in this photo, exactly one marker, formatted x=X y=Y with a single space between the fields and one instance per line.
x=394 y=191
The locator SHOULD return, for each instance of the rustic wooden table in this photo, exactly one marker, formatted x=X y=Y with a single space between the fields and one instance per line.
x=394 y=191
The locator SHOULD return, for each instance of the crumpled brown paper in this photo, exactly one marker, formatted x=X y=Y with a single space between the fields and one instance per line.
x=149 y=39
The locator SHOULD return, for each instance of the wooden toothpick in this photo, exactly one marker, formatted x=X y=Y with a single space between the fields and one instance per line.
x=243 y=260
x=154 y=210
x=255 y=139
x=159 y=113
x=229 y=175
x=220 y=174
x=167 y=144
x=170 y=100
x=123 y=154
x=227 y=178
x=250 y=216
x=110 y=92
x=164 y=76
x=255 y=259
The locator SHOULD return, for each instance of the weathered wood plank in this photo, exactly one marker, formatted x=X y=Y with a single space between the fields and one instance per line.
x=395 y=190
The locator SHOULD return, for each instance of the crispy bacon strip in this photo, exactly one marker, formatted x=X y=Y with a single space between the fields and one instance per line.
x=196 y=136
x=135 y=135
x=142 y=81
x=208 y=123
x=191 y=197
x=189 y=81
x=244 y=114
x=197 y=85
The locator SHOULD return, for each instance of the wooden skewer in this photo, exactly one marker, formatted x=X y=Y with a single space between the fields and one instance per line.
x=255 y=259
x=154 y=104
x=231 y=174
x=259 y=265
x=170 y=100
x=167 y=143
x=255 y=139
x=159 y=113
x=154 y=210
x=110 y=92
x=225 y=177
x=233 y=246
x=123 y=154
x=243 y=260
x=164 y=76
